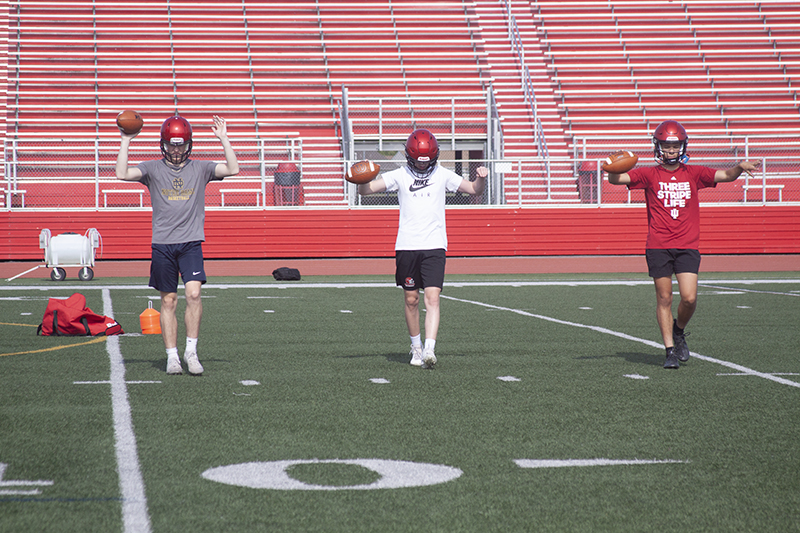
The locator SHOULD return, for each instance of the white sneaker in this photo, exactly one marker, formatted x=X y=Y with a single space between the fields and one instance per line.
x=192 y=363
x=428 y=359
x=416 y=355
x=174 y=365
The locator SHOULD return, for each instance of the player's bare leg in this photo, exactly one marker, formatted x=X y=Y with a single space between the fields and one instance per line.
x=169 y=331
x=169 y=322
x=687 y=286
x=664 y=318
x=431 y=325
x=412 y=312
x=192 y=317
x=664 y=308
x=194 y=309
x=432 y=312
x=411 y=305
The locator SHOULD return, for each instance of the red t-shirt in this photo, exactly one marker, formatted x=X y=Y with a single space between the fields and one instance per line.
x=673 y=210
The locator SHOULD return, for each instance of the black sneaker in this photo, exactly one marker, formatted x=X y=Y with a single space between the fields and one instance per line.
x=680 y=343
x=672 y=359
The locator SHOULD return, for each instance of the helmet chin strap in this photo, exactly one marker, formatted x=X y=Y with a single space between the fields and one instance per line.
x=176 y=160
x=660 y=158
x=422 y=173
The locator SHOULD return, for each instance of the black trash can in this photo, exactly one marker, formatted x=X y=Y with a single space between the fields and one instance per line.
x=286 y=188
x=587 y=183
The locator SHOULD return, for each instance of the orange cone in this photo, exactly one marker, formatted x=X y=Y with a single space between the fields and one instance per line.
x=150 y=320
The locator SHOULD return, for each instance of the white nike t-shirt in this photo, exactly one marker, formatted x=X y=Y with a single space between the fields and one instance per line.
x=422 y=224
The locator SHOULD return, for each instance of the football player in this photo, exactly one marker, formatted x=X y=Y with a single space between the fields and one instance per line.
x=673 y=238
x=421 y=243
x=176 y=185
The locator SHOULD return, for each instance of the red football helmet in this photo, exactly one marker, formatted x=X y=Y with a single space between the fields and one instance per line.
x=670 y=131
x=422 y=151
x=176 y=140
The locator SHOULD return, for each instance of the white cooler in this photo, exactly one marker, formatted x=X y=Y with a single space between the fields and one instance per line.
x=70 y=250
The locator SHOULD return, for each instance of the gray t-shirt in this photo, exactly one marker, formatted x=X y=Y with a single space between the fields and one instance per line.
x=178 y=198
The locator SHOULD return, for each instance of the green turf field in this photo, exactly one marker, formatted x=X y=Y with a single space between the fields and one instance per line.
x=548 y=410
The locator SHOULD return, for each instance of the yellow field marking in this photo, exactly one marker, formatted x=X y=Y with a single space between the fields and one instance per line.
x=12 y=324
x=93 y=341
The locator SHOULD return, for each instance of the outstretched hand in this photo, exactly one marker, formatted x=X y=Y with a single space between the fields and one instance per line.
x=749 y=167
x=219 y=127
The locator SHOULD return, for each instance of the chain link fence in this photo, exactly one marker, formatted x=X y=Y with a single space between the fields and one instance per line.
x=452 y=120
x=52 y=175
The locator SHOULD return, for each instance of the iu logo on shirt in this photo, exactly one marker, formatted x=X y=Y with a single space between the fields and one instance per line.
x=409 y=282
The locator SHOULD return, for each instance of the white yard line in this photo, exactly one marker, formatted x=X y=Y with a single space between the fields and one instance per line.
x=558 y=463
x=135 y=518
x=625 y=336
x=385 y=284
x=748 y=290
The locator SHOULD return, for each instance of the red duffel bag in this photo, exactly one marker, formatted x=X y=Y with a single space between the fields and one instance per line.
x=72 y=317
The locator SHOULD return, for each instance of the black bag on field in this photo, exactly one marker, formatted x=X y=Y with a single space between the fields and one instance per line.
x=286 y=274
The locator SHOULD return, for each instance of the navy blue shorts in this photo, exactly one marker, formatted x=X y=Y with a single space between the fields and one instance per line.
x=664 y=263
x=169 y=260
x=417 y=269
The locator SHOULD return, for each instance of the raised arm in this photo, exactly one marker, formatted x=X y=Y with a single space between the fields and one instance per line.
x=231 y=165
x=122 y=170
x=477 y=186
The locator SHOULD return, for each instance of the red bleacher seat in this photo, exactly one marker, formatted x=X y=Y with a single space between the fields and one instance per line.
x=729 y=68
x=715 y=60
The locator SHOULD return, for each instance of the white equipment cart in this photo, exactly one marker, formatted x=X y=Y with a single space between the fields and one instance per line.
x=70 y=250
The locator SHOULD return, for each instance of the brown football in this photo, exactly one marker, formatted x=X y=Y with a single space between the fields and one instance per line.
x=620 y=162
x=130 y=122
x=362 y=172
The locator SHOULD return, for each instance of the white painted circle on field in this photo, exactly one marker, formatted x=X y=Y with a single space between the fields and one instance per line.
x=273 y=475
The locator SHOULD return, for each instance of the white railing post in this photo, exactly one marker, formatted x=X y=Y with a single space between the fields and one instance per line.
x=13 y=176
x=262 y=166
x=380 y=124
x=453 y=124
x=97 y=174
x=599 y=184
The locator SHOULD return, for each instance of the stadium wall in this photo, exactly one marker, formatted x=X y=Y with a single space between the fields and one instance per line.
x=371 y=232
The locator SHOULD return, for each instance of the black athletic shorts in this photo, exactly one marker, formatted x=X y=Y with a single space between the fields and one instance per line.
x=665 y=263
x=169 y=260
x=417 y=269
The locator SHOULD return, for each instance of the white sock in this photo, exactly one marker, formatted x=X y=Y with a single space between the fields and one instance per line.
x=416 y=341
x=430 y=344
x=172 y=352
x=191 y=344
